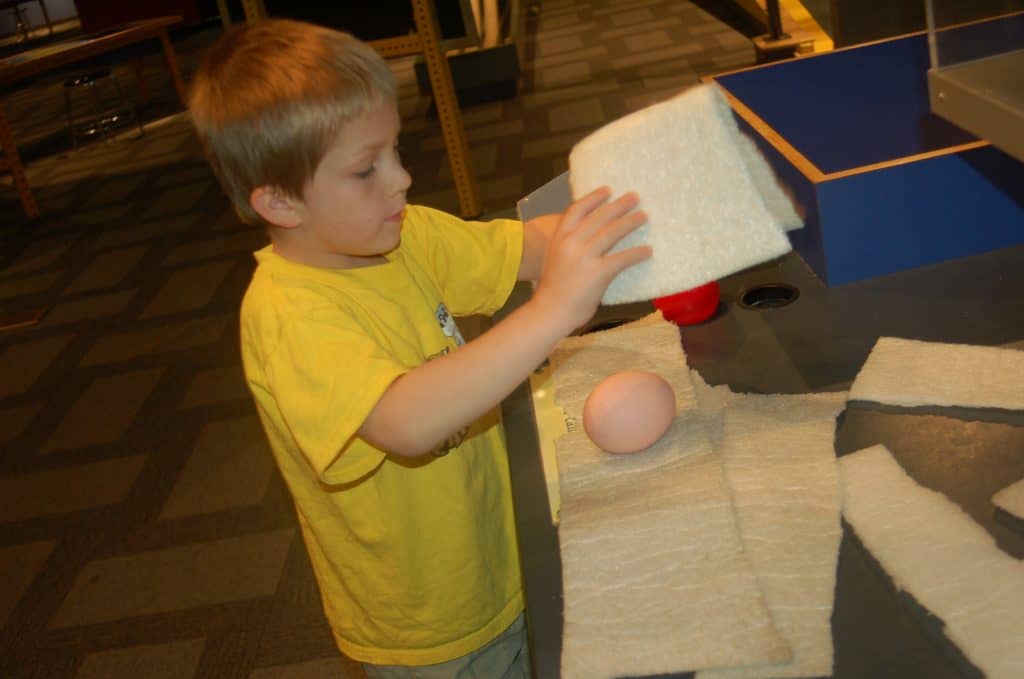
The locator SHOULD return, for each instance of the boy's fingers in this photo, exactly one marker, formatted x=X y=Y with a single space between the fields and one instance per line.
x=620 y=261
x=608 y=212
x=584 y=206
x=616 y=230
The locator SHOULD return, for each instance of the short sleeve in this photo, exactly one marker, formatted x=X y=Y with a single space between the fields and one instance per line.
x=326 y=376
x=476 y=264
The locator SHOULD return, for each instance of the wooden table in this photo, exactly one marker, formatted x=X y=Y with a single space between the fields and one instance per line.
x=19 y=67
x=19 y=18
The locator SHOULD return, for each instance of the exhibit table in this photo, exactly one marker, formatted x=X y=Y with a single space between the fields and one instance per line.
x=816 y=343
x=23 y=65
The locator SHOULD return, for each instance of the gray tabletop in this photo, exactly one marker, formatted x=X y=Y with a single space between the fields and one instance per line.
x=818 y=343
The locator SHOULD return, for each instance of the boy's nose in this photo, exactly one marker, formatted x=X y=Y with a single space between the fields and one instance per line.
x=402 y=179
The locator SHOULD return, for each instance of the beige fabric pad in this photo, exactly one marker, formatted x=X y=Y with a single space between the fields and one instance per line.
x=580 y=363
x=906 y=372
x=712 y=202
x=1011 y=499
x=932 y=549
x=780 y=465
x=655 y=578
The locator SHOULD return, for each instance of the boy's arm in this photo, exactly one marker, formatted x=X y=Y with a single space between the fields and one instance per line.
x=426 y=405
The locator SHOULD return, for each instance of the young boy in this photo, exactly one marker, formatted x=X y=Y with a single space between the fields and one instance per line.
x=381 y=418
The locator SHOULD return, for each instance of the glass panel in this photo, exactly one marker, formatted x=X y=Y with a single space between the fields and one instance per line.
x=965 y=30
x=976 y=78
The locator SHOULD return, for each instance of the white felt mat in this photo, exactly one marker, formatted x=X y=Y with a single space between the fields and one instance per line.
x=1011 y=499
x=655 y=578
x=780 y=465
x=932 y=549
x=907 y=372
x=713 y=205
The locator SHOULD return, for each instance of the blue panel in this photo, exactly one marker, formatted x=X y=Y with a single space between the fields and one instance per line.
x=920 y=213
x=850 y=108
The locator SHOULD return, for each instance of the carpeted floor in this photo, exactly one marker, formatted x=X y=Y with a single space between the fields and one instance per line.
x=144 y=531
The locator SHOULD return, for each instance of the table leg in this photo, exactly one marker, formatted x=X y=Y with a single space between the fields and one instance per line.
x=172 y=64
x=46 y=16
x=140 y=79
x=225 y=14
x=17 y=170
x=20 y=23
x=255 y=10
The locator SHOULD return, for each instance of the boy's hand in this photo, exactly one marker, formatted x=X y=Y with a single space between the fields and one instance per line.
x=577 y=265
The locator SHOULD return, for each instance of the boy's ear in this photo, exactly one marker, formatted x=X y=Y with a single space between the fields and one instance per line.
x=275 y=207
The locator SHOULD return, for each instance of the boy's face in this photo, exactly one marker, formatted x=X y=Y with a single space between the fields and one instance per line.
x=351 y=210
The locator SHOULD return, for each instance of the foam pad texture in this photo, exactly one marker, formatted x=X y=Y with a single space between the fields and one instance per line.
x=906 y=372
x=1011 y=499
x=932 y=549
x=781 y=469
x=704 y=186
x=655 y=577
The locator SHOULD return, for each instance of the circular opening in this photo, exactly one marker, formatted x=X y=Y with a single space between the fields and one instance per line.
x=768 y=296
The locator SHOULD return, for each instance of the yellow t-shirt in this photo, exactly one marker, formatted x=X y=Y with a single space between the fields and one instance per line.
x=416 y=558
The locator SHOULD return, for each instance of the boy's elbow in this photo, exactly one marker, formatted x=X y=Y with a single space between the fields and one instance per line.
x=393 y=427
x=402 y=443
x=409 y=448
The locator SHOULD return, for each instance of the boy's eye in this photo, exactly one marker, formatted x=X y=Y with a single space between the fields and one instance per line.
x=368 y=172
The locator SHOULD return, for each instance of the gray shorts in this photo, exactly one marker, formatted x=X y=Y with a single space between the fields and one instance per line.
x=507 y=657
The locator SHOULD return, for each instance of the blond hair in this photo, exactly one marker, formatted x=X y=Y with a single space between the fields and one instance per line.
x=269 y=98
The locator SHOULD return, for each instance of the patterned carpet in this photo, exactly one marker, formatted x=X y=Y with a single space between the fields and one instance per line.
x=144 y=531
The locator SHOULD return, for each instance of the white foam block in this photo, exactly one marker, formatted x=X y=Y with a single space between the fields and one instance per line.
x=703 y=185
x=781 y=468
x=655 y=578
x=1011 y=499
x=907 y=372
x=779 y=203
x=932 y=549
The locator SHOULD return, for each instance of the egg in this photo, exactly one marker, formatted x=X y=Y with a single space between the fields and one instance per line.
x=629 y=411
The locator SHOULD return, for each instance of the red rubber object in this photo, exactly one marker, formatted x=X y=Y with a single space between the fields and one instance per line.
x=690 y=306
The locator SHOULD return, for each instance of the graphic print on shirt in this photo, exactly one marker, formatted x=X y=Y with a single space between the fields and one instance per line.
x=448 y=327
x=447 y=323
